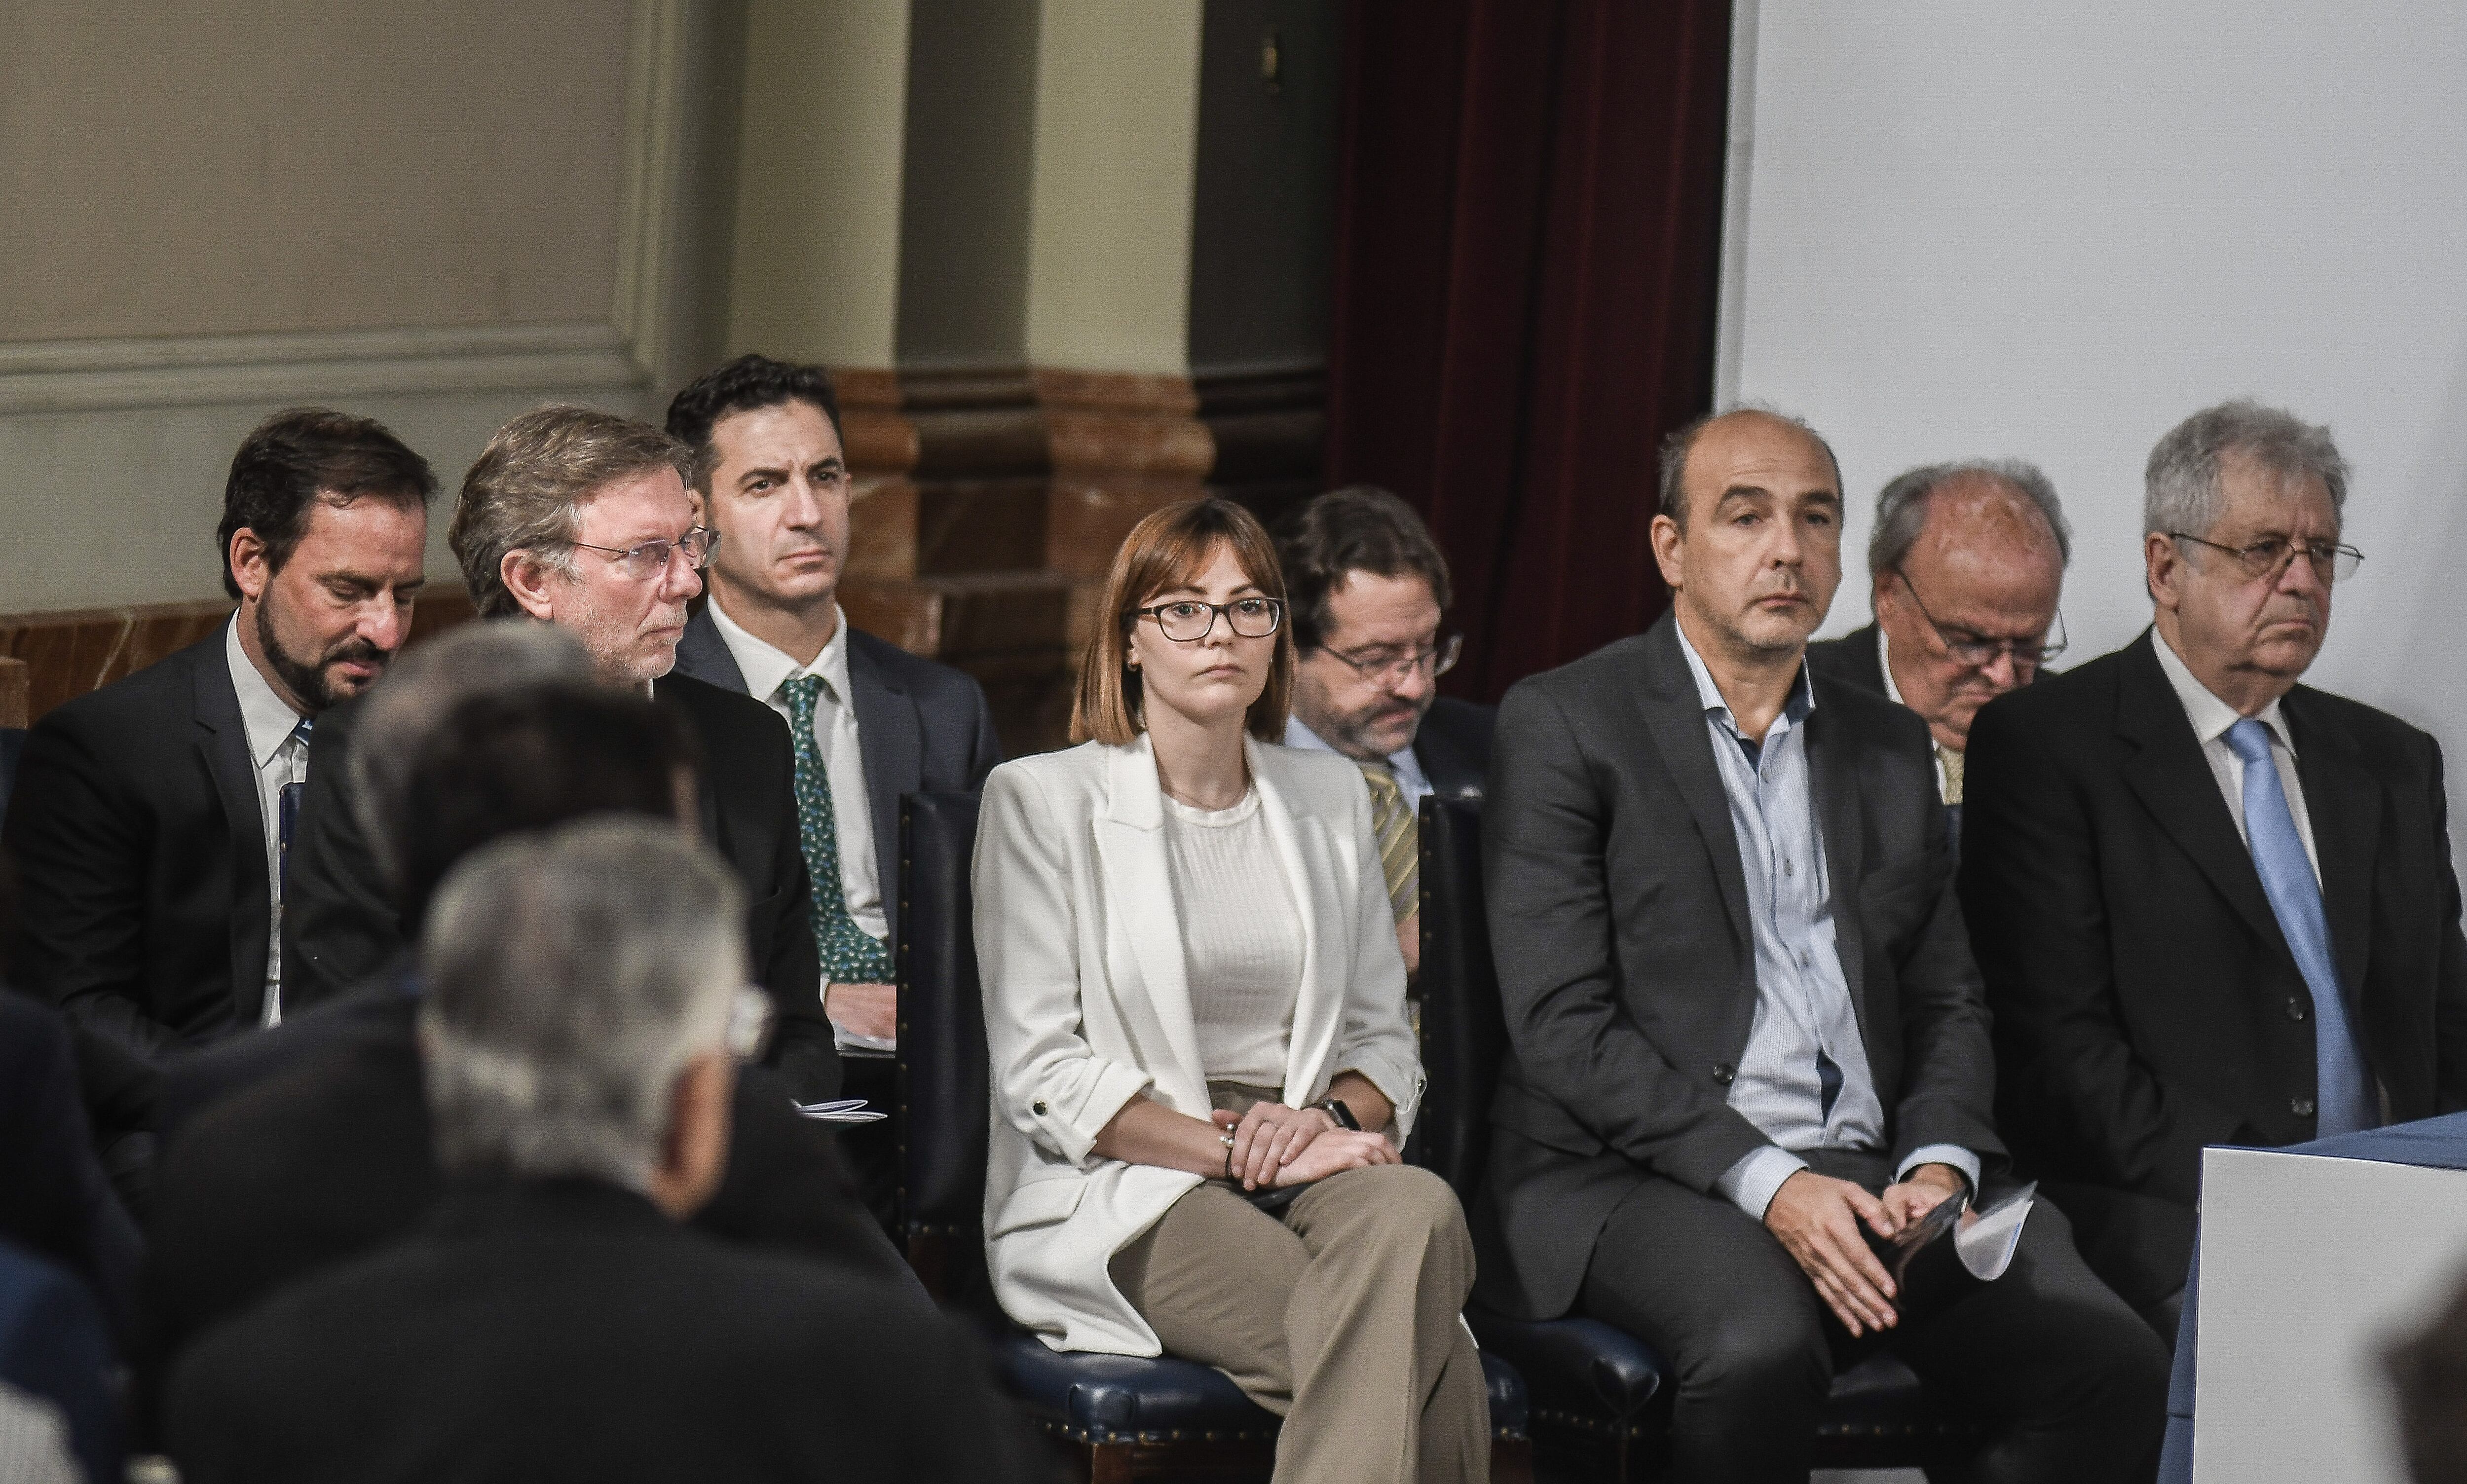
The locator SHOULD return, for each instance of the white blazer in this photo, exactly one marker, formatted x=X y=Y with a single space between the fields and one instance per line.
x=1087 y=1005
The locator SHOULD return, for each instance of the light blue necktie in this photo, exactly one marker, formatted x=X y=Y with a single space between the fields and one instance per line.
x=2345 y=1101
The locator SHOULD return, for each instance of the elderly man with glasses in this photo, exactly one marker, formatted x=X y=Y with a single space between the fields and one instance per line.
x=581 y=519
x=2212 y=906
x=1369 y=592
x=1965 y=566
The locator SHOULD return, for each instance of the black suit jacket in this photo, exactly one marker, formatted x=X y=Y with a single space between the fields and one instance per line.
x=340 y=928
x=566 y=1331
x=1618 y=917
x=141 y=856
x=2146 y=1003
x=54 y=1200
x=1453 y=746
x=922 y=727
x=328 y=1157
x=1855 y=658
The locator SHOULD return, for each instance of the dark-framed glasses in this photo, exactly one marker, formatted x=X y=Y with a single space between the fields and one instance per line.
x=1977 y=650
x=1186 y=621
x=647 y=561
x=2270 y=555
x=1388 y=669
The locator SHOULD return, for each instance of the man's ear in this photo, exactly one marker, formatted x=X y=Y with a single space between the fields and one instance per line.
x=2164 y=570
x=250 y=562
x=701 y=506
x=696 y=1156
x=529 y=578
x=1668 y=542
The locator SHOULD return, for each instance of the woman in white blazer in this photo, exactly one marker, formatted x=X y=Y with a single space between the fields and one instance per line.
x=1202 y=1067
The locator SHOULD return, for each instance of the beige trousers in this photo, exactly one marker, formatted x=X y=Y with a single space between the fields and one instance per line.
x=1342 y=1318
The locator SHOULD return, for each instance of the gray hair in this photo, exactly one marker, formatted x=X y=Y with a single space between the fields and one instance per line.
x=1902 y=506
x=524 y=491
x=1682 y=441
x=2182 y=484
x=572 y=975
x=422 y=688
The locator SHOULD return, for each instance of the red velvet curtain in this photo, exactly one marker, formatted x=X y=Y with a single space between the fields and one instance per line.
x=1527 y=255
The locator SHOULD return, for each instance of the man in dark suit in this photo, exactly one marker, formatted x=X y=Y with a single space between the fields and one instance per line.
x=2183 y=947
x=554 y=1319
x=1369 y=592
x=1986 y=544
x=1743 y=1019
x=149 y=817
x=869 y=721
x=581 y=519
x=320 y=1149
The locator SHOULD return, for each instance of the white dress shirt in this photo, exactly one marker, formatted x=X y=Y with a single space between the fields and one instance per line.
x=1407 y=767
x=2211 y=717
x=1803 y=997
x=1893 y=693
x=279 y=758
x=767 y=669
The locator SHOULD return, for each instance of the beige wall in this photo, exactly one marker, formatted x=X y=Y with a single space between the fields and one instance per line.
x=297 y=165
x=437 y=212
x=1117 y=136
x=817 y=267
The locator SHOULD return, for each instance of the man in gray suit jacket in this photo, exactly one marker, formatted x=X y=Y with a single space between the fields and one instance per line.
x=869 y=721
x=1745 y=1027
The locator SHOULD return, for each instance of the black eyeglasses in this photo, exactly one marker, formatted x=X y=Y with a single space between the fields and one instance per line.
x=647 y=561
x=2272 y=555
x=1188 y=620
x=1388 y=671
x=1973 y=650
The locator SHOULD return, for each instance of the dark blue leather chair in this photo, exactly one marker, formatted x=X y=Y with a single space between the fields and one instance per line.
x=1595 y=1390
x=12 y=743
x=1120 y=1417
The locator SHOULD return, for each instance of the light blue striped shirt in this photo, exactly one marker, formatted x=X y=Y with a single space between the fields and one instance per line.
x=1803 y=1006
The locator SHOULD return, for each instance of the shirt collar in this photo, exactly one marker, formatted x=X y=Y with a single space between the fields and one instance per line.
x=2210 y=716
x=1794 y=711
x=1885 y=663
x=267 y=717
x=1299 y=736
x=766 y=667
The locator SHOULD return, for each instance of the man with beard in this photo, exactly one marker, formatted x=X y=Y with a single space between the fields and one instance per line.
x=151 y=818
x=1369 y=589
x=869 y=721
x=581 y=519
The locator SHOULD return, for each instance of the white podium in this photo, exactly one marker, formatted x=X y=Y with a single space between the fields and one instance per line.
x=2311 y=1263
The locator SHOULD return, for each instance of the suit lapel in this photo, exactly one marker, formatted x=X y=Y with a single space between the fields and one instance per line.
x=2174 y=784
x=891 y=737
x=1833 y=775
x=705 y=656
x=222 y=743
x=1130 y=857
x=1308 y=858
x=2343 y=804
x=1674 y=716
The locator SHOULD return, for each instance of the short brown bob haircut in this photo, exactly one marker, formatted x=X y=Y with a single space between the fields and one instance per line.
x=1169 y=550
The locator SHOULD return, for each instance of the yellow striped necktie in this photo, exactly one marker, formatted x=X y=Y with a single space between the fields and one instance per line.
x=1949 y=763
x=1398 y=836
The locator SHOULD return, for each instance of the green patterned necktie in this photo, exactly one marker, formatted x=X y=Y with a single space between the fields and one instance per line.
x=851 y=954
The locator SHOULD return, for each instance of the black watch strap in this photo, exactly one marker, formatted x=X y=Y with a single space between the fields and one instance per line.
x=1342 y=1114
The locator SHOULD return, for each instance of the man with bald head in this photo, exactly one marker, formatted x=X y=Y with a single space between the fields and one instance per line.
x=1744 y=1027
x=2213 y=905
x=1964 y=568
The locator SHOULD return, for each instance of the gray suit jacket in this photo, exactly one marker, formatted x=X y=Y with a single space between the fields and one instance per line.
x=924 y=727
x=1619 y=918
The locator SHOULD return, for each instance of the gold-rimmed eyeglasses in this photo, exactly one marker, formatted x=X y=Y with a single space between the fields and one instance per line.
x=647 y=561
x=1977 y=650
x=2272 y=555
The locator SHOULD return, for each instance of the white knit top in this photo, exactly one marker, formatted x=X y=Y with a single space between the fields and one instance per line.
x=1241 y=937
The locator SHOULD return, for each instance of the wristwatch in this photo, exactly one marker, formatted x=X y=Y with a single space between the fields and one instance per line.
x=1342 y=1114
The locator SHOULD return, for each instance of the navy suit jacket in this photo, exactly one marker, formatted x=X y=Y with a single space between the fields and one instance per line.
x=923 y=728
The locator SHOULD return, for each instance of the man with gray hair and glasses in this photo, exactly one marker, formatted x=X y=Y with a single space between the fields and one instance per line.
x=1964 y=569
x=587 y=1006
x=2212 y=906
